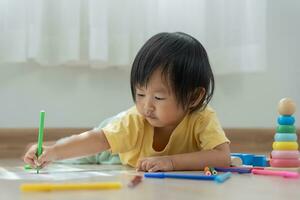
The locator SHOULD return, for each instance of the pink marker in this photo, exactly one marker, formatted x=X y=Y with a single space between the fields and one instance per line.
x=285 y=174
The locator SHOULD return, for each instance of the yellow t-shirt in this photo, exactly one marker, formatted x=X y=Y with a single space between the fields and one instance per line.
x=131 y=136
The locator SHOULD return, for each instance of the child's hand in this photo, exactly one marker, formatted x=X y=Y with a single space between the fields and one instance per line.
x=47 y=156
x=154 y=164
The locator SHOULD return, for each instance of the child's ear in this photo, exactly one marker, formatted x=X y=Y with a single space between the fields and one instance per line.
x=197 y=97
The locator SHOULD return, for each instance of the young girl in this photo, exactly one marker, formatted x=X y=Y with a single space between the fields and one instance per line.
x=170 y=127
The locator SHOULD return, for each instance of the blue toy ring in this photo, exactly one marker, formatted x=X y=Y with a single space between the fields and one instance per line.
x=285 y=137
x=286 y=120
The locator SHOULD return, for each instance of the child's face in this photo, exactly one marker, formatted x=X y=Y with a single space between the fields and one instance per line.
x=158 y=104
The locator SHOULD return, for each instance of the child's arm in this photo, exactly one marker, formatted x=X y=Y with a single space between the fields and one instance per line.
x=217 y=157
x=87 y=143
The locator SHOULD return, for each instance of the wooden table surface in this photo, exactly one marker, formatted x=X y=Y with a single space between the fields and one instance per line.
x=246 y=186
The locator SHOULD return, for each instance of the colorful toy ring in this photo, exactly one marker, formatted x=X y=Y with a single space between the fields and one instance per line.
x=285 y=146
x=286 y=129
x=285 y=137
x=285 y=154
x=286 y=120
x=284 y=162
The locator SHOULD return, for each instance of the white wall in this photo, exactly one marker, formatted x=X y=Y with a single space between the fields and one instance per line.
x=82 y=97
x=251 y=100
x=71 y=97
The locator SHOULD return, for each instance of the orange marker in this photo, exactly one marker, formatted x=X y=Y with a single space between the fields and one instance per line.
x=207 y=171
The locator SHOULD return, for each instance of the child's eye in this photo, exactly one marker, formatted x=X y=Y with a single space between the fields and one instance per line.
x=159 y=98
x=140 y=95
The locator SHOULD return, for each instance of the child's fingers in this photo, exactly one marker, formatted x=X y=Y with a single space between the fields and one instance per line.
x=30 y=153
x=29 y=161
x=30 y=157
x=41 y=163
x=44 y=164
x=144 y=165
x=149 y=165
x=139 y=165
x=43 y=158
x=155 y=168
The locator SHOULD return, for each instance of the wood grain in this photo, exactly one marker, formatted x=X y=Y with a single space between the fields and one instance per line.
x=13 y=141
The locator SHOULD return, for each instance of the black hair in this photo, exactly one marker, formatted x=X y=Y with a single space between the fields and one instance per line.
x=183 y=62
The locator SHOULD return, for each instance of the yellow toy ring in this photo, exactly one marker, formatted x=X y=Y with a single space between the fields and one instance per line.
x=285 y=146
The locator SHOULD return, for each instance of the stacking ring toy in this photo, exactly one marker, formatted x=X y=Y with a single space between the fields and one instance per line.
x=284 y=162
x=285 y=146
x=285 y=137
x=286 y=120
x=286 y=129
x=285 y=154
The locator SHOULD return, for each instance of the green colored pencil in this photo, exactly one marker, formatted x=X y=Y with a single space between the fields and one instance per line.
x=40 y=137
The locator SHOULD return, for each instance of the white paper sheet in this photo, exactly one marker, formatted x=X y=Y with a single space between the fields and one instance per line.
x=56 y=173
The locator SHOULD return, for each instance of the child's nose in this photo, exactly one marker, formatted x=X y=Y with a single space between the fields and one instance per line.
x=148 y=112
x=148 y=107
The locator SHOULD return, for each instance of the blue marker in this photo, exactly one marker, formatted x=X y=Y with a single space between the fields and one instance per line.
x=234 y=169
x=223 y=177
x=218 y=178
x=179 y=176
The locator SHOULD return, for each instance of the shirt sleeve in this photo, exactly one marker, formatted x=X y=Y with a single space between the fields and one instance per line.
x=209 y=132
x=122 y=134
